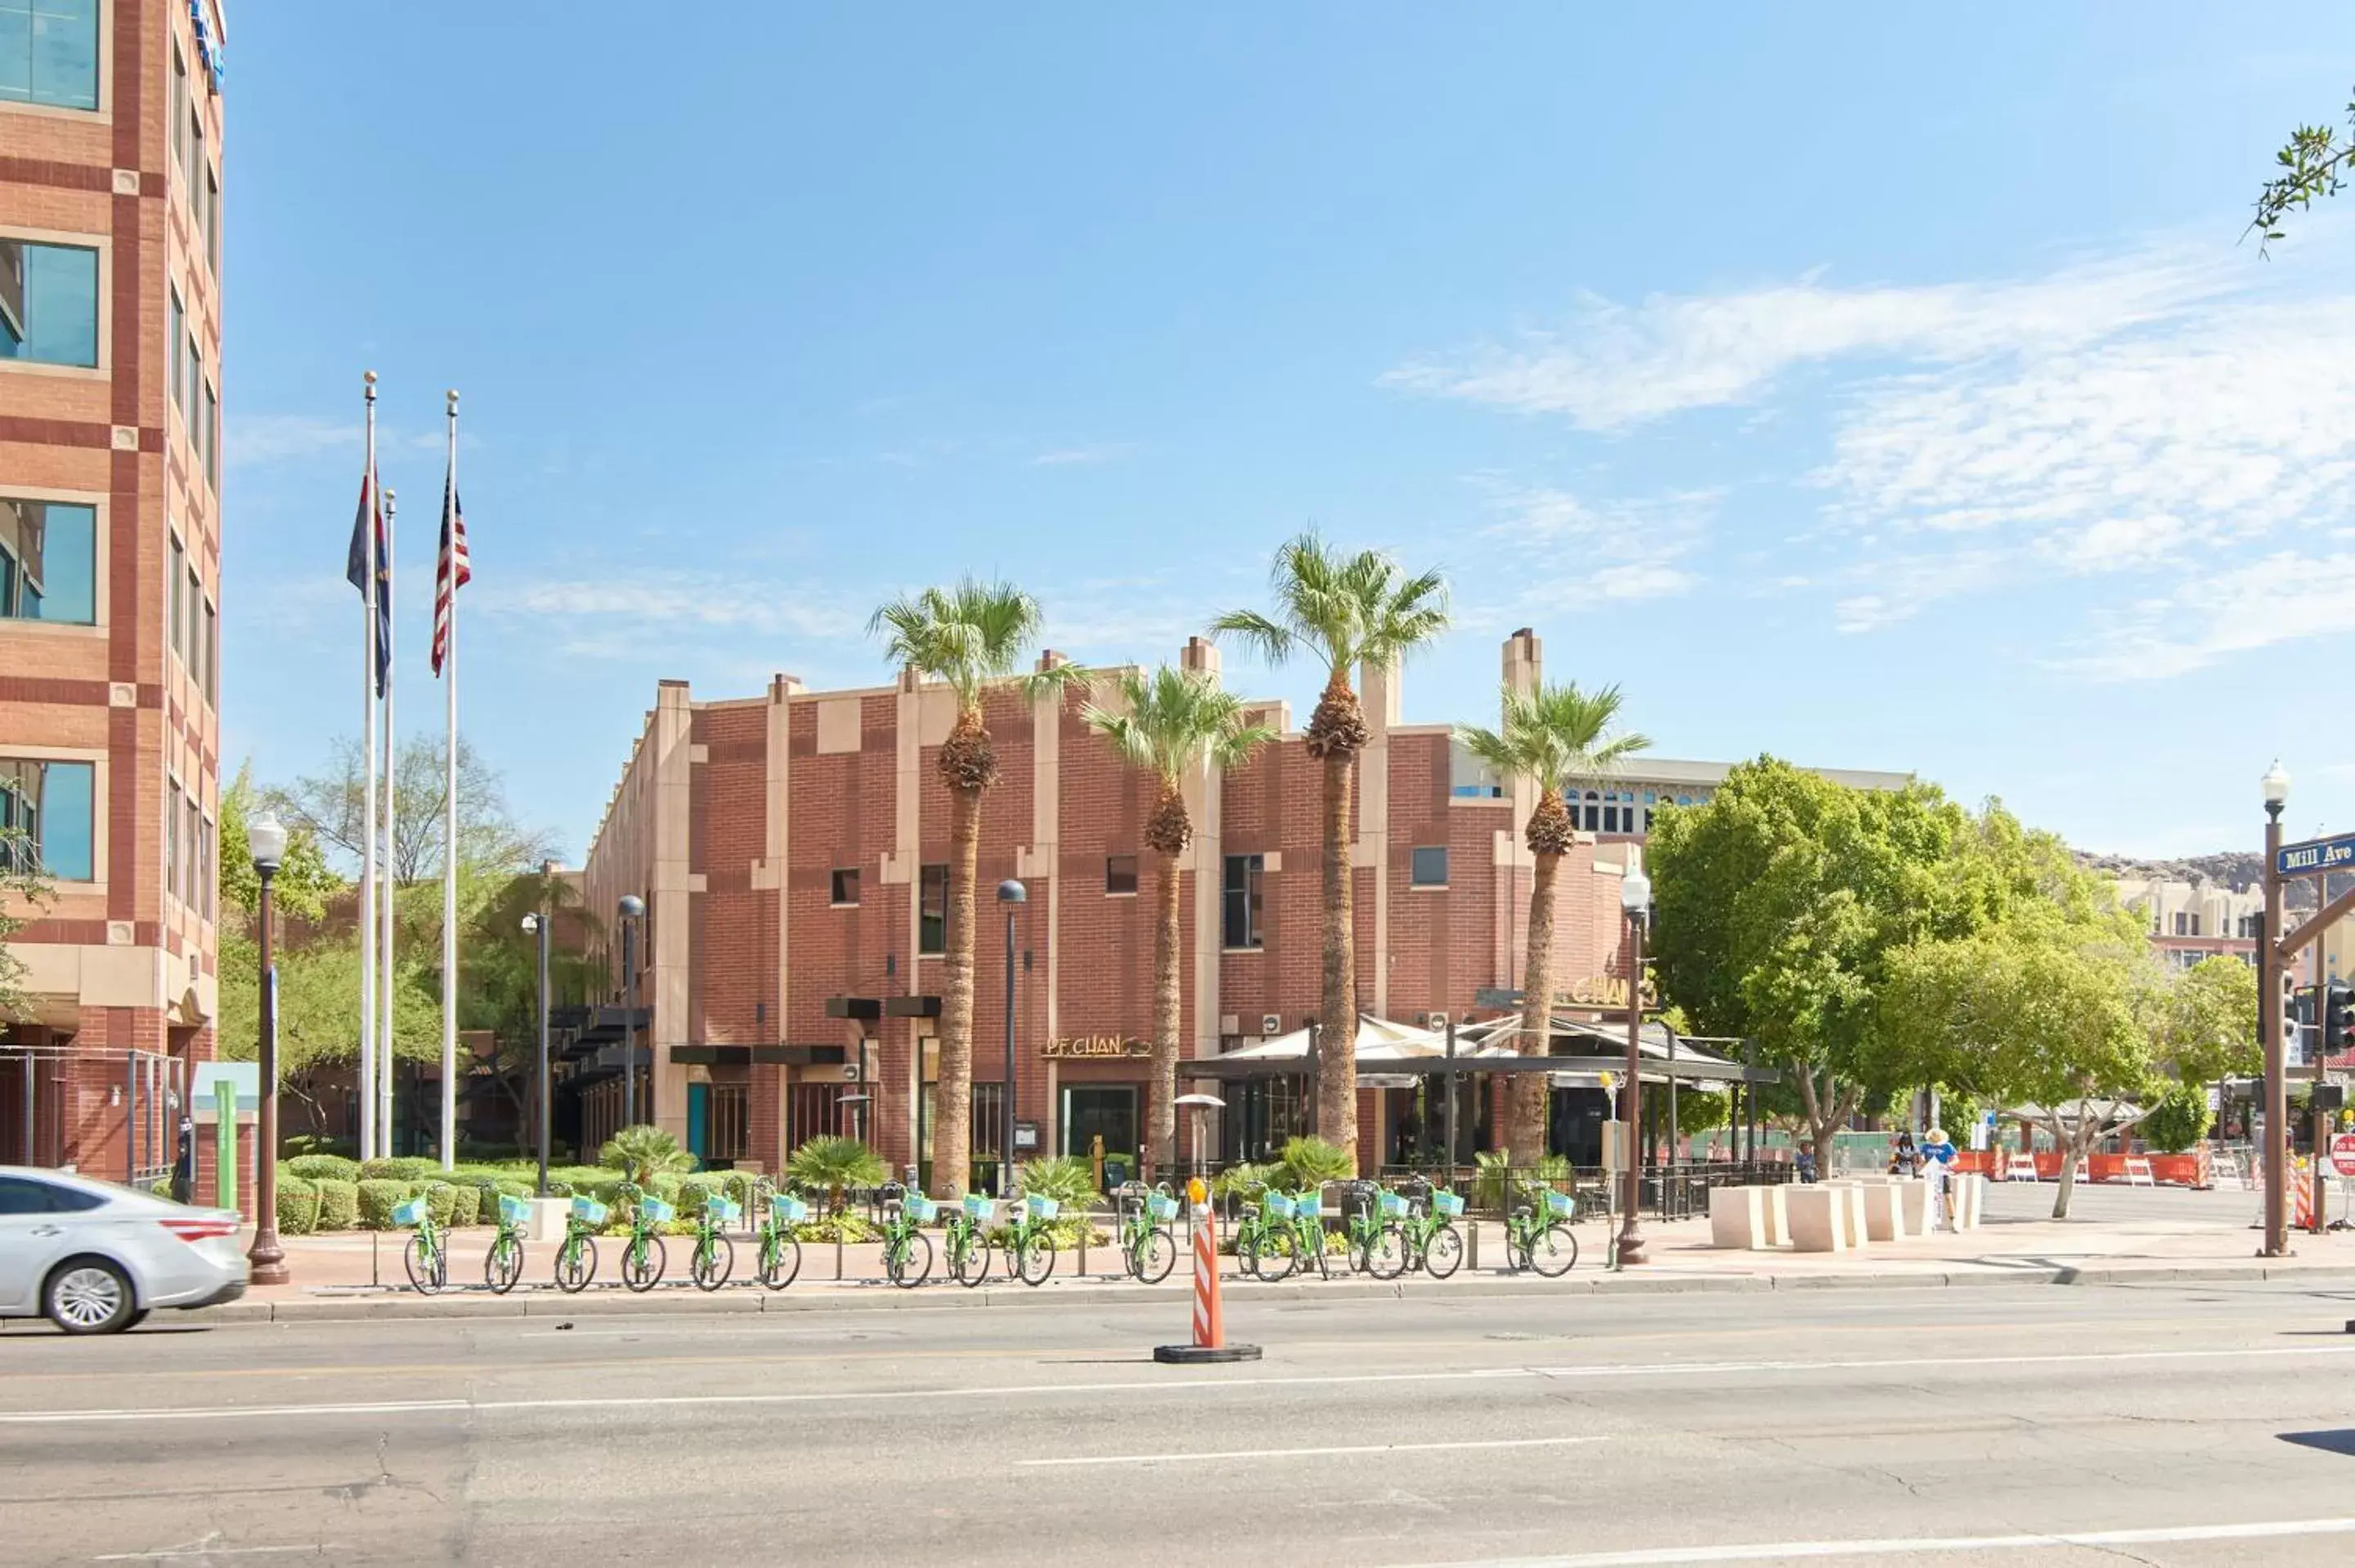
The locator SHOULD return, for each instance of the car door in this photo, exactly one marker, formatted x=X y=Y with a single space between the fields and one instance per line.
x=33 y=1236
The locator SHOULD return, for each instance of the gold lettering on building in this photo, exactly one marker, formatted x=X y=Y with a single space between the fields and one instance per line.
x=1076 y=1046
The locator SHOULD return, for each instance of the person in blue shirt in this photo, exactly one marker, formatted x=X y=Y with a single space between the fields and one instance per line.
x=1938 y=1166
x=1936 y=1147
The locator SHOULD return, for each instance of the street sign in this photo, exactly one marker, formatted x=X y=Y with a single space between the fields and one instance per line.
x=2343 y=1153
x=2315 y=855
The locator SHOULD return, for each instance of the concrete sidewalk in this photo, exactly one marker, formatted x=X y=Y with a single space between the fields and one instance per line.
x=2116 y=1236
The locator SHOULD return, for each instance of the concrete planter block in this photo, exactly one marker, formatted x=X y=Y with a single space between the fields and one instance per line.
x=1915 y=1197
x=547 y=1216
x=1851 y=1199
x=1737 y=1218
x=1818 y=1218
x=1778 y=1214
x=1970 y=1194
x=1884 y=1211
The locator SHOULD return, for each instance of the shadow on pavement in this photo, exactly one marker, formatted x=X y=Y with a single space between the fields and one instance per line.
x=2338 y=1442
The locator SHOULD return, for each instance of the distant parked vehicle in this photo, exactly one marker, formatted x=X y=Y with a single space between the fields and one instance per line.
x=95 y=1259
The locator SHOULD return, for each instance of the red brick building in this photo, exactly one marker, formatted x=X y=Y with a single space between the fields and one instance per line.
x=110 y=130
x=792 y=849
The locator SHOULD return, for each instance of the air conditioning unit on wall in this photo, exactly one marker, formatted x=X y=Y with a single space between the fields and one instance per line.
x=1434 y=1020
x=1270 y=1023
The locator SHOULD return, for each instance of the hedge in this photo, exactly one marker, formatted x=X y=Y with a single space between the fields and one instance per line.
x=339 y=1204
x=403 y=1168
x=324 y=1167
x=442 y=1202
x=466 y=1204
x=376 y=1199
x=695 y=1190
x=298 y=1206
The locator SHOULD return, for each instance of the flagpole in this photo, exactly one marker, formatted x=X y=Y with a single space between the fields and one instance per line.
x=368 y=831
x=445 y=602
x=392 y=861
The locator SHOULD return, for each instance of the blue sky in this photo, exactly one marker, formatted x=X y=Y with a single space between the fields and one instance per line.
x=1879 y=388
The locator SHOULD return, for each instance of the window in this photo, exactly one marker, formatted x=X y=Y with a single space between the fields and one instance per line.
x=1120 y=873
x=176 y=618
x=172 y=839
x=932 y=909
x=2181 y=924
x=209 y=436
x=1591 y=820
x=195 y=655
x=193 y=162
x=49 y=298
x=52 y=806
x=22 y=1194
x=49 y=53
x=179 y=105
x=192 y=836
x=212 y=221
x=1431 y=867
x=195 y=366
x=48 y=562
x=846 y=887
x=205 y=866
x=176 y=317
x=1241 y=887
x=209 y=651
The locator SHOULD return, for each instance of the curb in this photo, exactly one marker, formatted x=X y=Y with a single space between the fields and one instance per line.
x=744 y=1301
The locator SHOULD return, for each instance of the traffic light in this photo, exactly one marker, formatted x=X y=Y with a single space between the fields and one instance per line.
x=2297 y=1023
x=2337 y=1018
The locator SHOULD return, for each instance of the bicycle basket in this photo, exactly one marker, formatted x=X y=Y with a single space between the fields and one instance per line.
x=1041 y=1208
x=409 y=1212
x=1447 y=1205
x=654 y=1210
x=1308 y=1206
x=980 y=1208
x=721 y=1211
x=1560 y=1204
x=917 y=1209
x=513 y=1210
x=1390 y=1206
x=1161 y=1206
x=787 y=1210
x=589 y=1211
x=1275 y=1206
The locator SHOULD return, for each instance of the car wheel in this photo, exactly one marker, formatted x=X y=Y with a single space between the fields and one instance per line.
x=89 y=1296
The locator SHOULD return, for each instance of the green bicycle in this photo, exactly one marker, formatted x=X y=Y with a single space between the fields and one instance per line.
x=1540 y=1239
x=781 y=1253
x=1148 y=1249
x=502 y=1263
x=1427 y=1236
x=1376 y=1246
x=426 y=1257
x=576 y=1258
x=1308 y=1232
x=964 y=1237
x=1028 y=1245
x=715 y=1256
x=642 y=1257
x=1265 y=1244
x=907 y=1251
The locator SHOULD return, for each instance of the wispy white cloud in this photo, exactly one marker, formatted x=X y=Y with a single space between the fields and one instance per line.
x=2284 y=596
x=254 y=441
x=1560 y=543
x=678 y=600
x=1067 y=457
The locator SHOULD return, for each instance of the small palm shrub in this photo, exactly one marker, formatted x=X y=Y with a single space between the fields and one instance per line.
x=1070 y=1180
x=643 y=1153
x=833 y=1166
x=1488 y=1180
x=1246 y=1181
x=1309 y=1162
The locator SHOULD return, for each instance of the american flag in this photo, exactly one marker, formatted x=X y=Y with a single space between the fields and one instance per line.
x=451 y=571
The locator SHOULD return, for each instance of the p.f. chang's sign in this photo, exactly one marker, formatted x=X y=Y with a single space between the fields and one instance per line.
x=1076 y=1047
x=1603 y=990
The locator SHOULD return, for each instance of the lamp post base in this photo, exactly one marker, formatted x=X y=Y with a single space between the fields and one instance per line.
x=1201 y=1355
x=1631 y=1247
x=266 y=1263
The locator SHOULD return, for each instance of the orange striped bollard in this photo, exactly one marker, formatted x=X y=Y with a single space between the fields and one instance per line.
x=1210 y=1340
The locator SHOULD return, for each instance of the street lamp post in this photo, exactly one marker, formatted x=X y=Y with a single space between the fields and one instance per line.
x=534 y=926
x=633 y=910
x=1011 y=894
x=2270 y=1025
x=266 y=1261
x=1635 y=902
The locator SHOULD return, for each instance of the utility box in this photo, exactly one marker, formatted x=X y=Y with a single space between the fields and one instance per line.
x=1616 y=1142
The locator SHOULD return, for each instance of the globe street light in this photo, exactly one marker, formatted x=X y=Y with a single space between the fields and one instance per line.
x=1635 y=902
x=266 y=1262
x=633 y=910
x=533 y=925
x=2272 y=1024
x=1011 y=894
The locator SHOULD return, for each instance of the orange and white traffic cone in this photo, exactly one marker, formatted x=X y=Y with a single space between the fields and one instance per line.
x=1210 y=1341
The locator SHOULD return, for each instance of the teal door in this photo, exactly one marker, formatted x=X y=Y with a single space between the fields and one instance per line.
x=698 y=1120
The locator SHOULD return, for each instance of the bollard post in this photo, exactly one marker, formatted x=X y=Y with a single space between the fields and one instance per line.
x=1209 y=1336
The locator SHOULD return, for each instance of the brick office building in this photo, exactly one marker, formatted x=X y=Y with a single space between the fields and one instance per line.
x=111 y=126
x=792 y=849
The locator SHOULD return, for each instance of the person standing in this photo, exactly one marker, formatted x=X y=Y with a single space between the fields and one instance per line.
x=1937 y=1156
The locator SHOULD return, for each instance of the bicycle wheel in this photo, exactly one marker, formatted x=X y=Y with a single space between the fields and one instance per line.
x=910 y=1262
x=971 y=1266
x=423 y=1261
x=1443 y=1252
x=643 y=1262
x=503 y=1265
x=1386 y=1253
x=1552 y=1251
x=1037 y=1260
x=781 y=1261
x=1267 y=1255
x=576 y=1264
x=1155 y=1255
x=1308 y=1246
x=715 y=1260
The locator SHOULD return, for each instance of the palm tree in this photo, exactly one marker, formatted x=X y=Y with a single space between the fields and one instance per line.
x=1553 y=737
x=1344 y=611
x=970 y=636
x=1168 y=724
x=834 y=1166
x=642 y=1153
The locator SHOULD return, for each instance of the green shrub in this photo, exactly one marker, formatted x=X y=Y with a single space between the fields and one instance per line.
x=852 y=1227
x=514 y=1187
x=643 y=1152
x=377 y=1198
x=339 y=1204
x=1070 y=1180
x=1310 y=1162
x=695 y=1192
x=830 y=1167
x=1245 y=1181
x=403 y=1168
x=741 y=1185
x=298 y=1205
x=304 y=1143
x=1488 y=1182
x=2179 y=1119
x=324 y=1167
x=441 y=1201
x=466 y=1204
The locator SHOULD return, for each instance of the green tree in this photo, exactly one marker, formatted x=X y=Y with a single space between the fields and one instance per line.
x=1551 y=738
x=332 y=805
x=642 y=1153
x=319 y=1010
x=1171 y=725
x=2313 y=164
x=1344 y=611
x=2209 y=1023
x=302 y=886
x=23 y=890
x=833 y=1166
x=971 y=637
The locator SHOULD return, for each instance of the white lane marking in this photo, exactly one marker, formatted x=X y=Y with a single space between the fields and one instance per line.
x=1302 y=1453
x=1173 y=1385
x=1897 y=1548
x=171 y=1553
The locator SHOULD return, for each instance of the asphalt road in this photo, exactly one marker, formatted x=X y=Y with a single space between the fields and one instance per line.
x=2164 y=1424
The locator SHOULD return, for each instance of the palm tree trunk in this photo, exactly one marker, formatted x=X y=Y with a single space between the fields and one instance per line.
x=1161 y=1141
x=952 y=1098
x=1337 y=1064
x=1527 y=1094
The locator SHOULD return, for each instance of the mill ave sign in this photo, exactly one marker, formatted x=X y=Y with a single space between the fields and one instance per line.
x=2315 y=855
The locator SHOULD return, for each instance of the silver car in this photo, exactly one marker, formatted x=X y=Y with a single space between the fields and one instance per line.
x=95 y=1259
